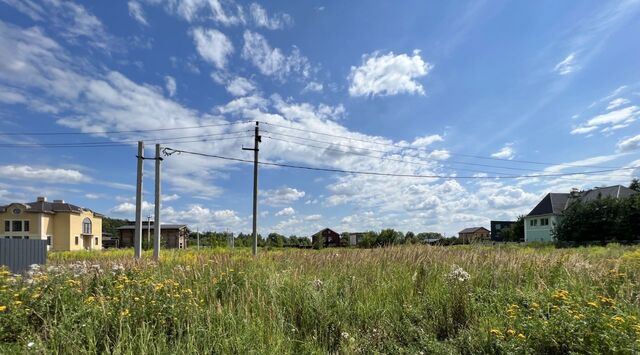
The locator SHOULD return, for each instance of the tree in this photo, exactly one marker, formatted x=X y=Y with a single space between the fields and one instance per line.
x=515 y=232
x=110 y=225
x=276 y=240
x=635 y=184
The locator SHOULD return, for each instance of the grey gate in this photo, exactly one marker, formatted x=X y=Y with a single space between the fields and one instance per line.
x=18 y=254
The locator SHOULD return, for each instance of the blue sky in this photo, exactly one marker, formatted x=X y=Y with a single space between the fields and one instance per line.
x=451 y=89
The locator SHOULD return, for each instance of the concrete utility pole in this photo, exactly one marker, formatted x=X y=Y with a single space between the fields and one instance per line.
x=137 y=240
x=148 y=232
x=198 y=237
x=157 y=228
x=256 y=142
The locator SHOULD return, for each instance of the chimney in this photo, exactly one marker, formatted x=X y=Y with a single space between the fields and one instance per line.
x=41 y=199
x=58 y=201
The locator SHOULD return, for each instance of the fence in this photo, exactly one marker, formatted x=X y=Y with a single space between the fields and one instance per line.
x=18 y=254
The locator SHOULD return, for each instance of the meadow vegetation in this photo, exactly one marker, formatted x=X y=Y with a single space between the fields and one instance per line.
x=406 y=299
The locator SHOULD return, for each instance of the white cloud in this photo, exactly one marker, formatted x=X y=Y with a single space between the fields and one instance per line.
x=506 y=152
x=262 y=19
x=272 y=61
x=169 y=198
x=612 y=120
x=281 y=196
x=388 y=74
x=240 y=86
x=313 y=217
x=567 y=65
x=135 y=11
x=170 y=85
x=313 y=86
x=425 y=141
x=57 y=175
x=212 y=45
x=617 y=103
x=629 y=144
x=287 y=211
x=226 y=13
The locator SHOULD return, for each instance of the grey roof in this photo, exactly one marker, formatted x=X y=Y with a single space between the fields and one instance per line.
x=555 y=203
x=50 y=207
x=552 y=203
x=162 y=226
x=472 y=229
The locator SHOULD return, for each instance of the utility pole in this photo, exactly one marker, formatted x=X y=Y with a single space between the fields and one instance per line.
x=156 y=223
x=148 y=232
x=256 y=142
x=198 y=237
x=137 y=241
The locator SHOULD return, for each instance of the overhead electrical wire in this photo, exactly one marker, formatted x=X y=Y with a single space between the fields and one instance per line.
x=170 y=151
x=426 y=150
x=120 y=132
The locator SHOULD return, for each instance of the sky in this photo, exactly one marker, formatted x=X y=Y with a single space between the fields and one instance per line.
x=488 y=102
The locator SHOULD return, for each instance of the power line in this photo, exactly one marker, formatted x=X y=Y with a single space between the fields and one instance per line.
x=426 y=150
x=125 y=142
x=119 y=132
x=119 y=144
x=171 y=151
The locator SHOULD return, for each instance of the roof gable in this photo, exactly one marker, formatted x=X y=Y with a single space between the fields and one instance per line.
x=552 y=203
x=473 y=229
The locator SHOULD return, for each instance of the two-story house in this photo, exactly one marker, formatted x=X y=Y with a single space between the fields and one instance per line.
x=539 y=223
x=63 y=225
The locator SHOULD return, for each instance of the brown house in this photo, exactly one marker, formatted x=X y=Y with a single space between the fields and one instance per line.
x=171 y=235
x=474 y=234
x=327 y=237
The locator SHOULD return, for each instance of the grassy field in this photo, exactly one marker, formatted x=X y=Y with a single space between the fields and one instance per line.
x=411 y=299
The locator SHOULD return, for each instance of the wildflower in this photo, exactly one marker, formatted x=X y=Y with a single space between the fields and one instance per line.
x=618 y=319
x=496 y=332
x=30 y=344
x=90 y=299
x=318 y=284
x=125 y=313
x=521 y=336
x=458 y=274
x=511 y=332
x=561 y=295
x=607 y=301
x=3 y=308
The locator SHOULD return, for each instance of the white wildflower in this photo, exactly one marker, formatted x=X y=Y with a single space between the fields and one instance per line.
x=458 y=274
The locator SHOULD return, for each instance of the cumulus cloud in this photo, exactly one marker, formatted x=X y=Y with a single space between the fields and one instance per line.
x=262 y=19
x=424 y=141
x=629 y=144
x=226 y=13
x=567 y=65
x=136 y=11
x=272 y=61
x=313 y=217
x=506 y=152
x=240 y=86
x=388 y=74
x=313 y=86
x=170 y=85
x=45 y=174
x=287 y=211
x=617 y=103
x=212 y=45
x=281 y=196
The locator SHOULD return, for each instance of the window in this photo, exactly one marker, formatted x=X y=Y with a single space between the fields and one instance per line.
x=26 y=226
x=48 y=240
x=16 y=226
x=533 y=222
x=498 y=226
x=7 y=237
x=76 y=240
x=7 y=226
x=16 y=211
x=96 y=240
x=544 y=221
x=26 y=237
x=17 y=237
x=86 y=226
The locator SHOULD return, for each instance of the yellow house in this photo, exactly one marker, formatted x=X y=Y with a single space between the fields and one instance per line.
x=63 y=225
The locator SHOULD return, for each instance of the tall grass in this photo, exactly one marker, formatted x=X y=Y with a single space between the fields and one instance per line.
x=416 y=299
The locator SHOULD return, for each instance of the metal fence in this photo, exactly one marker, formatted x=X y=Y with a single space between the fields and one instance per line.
x=18 y=254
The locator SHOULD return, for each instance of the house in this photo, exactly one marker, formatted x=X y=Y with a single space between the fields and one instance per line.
x=64 y=226
x=497 y=226
x=171 y=235
x=474 y=234
x=539 y=223
x=327 y=237
x=356 y=238
x=109 y=241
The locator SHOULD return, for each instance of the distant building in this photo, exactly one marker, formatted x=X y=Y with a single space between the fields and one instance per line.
x=539 y=223
x=109 y=241
x=356 y=238
x=474 y=234
x=64 y=226
x=497 y=226
x=327 y=237
x=171 y=235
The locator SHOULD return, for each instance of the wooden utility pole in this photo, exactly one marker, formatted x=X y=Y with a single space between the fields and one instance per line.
x=256 y=142
x=137 y=241
x=157 y=228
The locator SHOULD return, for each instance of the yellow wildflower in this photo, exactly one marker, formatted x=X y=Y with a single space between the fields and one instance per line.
x=521 y=336
x=125 y=313
x=535 y=306
x=496 y=332
x=561 y=295
x=90 y=299
x=607 y=301
x=3 y=308
x=17 y=302
x=511 y=332
x=618 y=319
x=35 y=295
x=593 y=304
